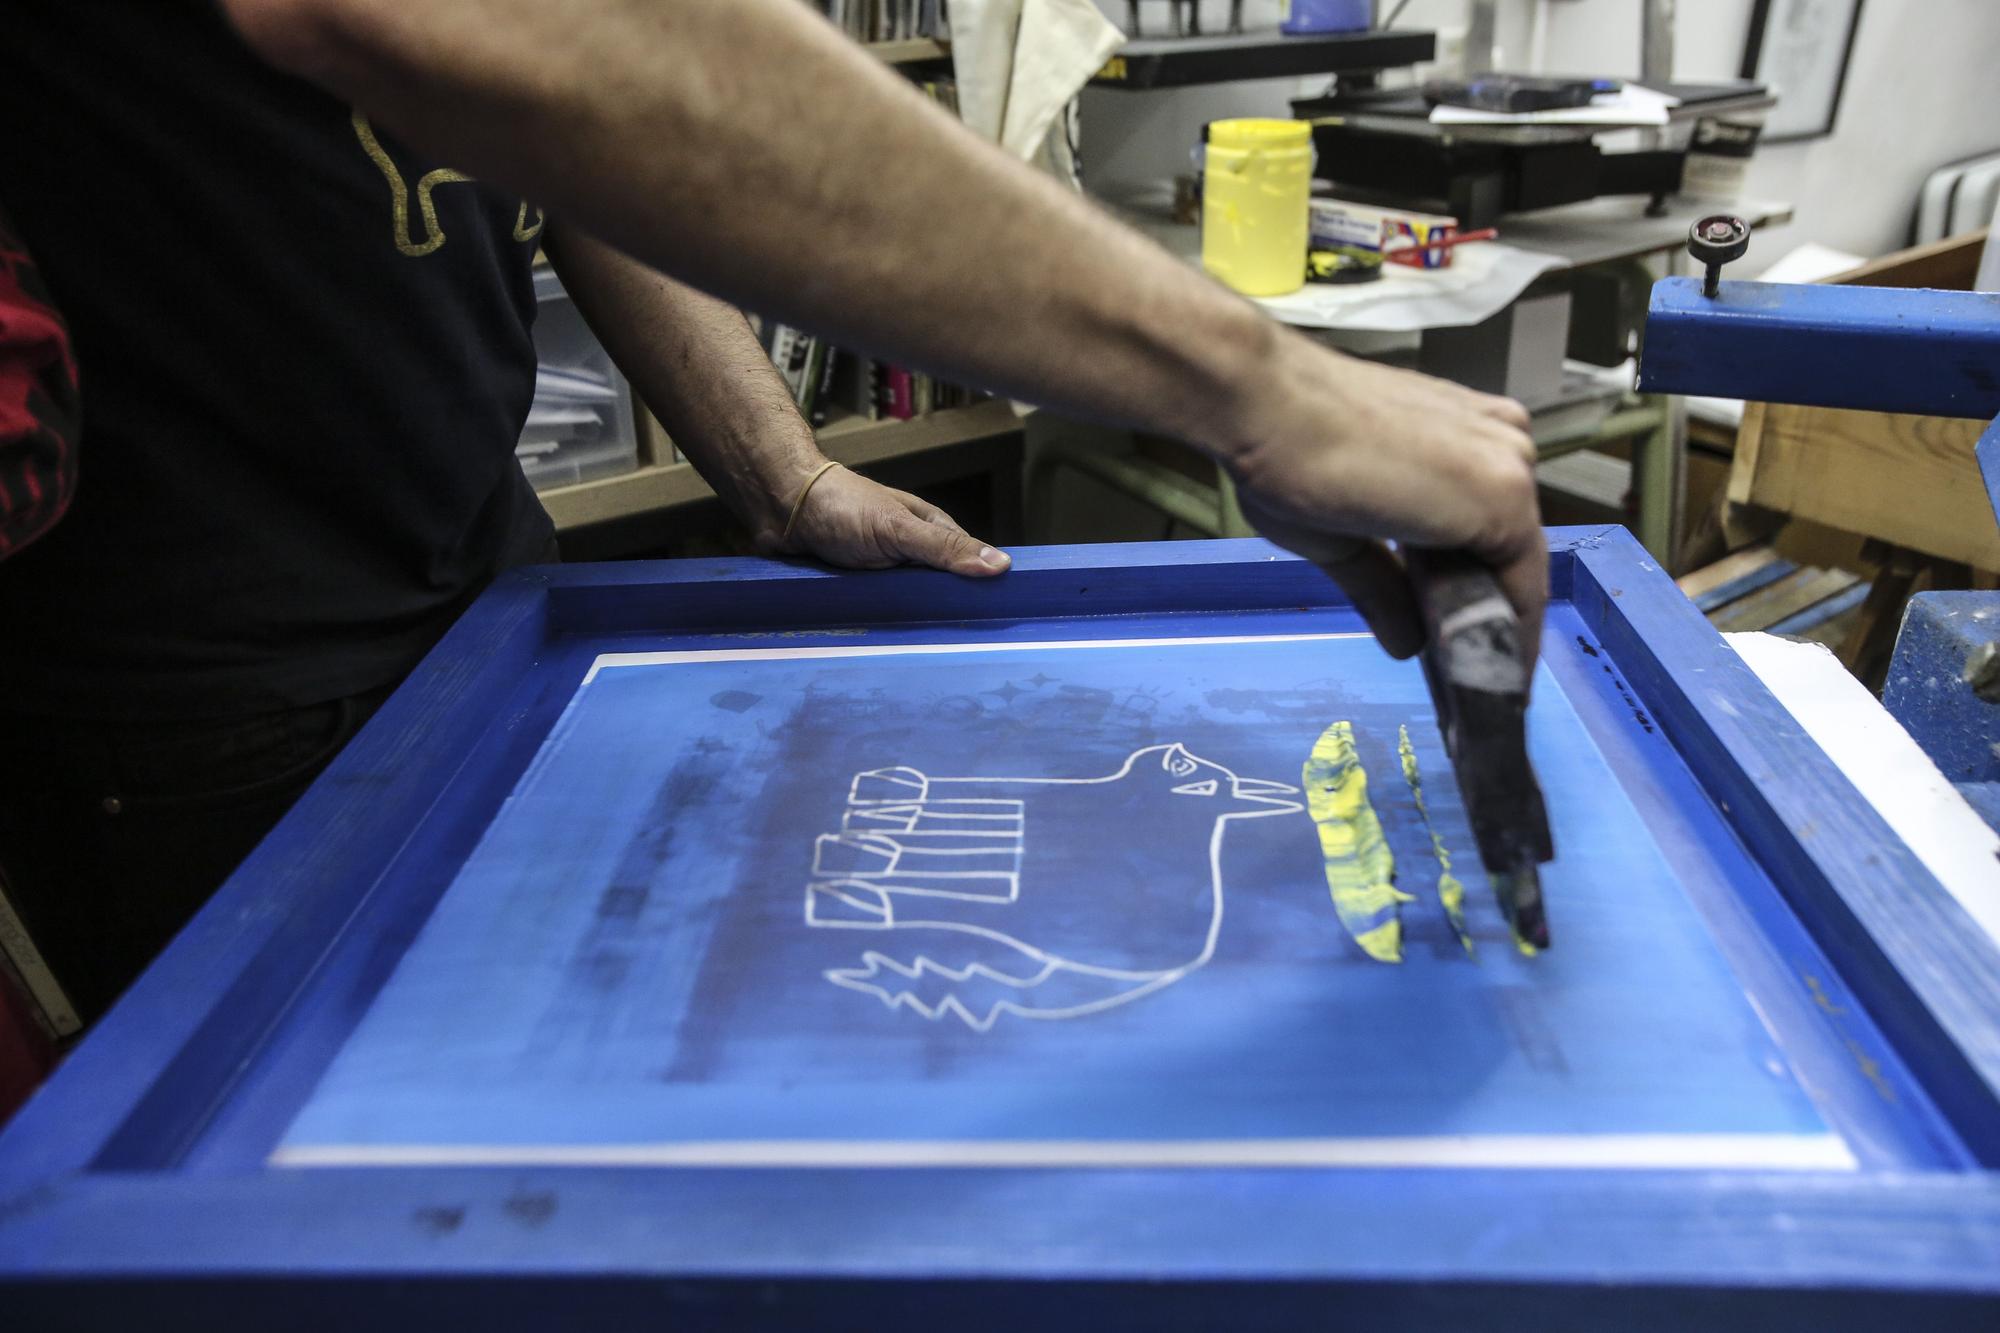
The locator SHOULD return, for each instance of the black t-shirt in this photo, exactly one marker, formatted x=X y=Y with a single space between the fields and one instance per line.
x=307 y=355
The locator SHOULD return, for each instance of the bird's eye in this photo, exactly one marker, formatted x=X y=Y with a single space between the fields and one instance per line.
x=1179 y=764
x=1196 y=788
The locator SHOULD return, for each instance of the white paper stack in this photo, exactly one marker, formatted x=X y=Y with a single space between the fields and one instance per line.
x=1630 y=105
x=570 y=406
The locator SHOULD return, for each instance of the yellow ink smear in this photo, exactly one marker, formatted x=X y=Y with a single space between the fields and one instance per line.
x=1450 y=892
x=1359 y=866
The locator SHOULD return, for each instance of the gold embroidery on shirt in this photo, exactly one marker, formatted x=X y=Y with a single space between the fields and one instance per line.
x=524 y=232
x=399 y=193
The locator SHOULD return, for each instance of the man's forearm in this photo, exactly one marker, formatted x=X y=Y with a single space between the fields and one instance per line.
x=684 y=133
x=699 y=368
x=747 y=148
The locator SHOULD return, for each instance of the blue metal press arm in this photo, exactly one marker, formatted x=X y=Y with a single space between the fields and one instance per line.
x=1873 y=349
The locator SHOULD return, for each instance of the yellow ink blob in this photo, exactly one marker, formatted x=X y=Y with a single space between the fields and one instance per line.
x=1359 y=866
x=1450 y=892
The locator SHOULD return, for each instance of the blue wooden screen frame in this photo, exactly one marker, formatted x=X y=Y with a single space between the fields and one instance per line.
x=103 y=1212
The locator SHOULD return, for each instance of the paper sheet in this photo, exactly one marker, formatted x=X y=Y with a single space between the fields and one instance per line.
x=1632 y=105
x=1484 y=279
x=1885 y=765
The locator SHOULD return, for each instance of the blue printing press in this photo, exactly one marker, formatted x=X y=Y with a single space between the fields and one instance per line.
x=1869 y=349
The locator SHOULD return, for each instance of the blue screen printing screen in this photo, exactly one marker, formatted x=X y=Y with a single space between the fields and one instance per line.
x=1043 y=904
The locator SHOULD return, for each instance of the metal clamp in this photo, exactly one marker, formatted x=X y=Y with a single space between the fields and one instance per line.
x=1715 y=241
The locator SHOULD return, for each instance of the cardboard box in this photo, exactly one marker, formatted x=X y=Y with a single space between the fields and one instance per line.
x=1343 y=225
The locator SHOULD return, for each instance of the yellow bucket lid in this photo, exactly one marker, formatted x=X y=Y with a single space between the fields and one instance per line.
x=1254 y=132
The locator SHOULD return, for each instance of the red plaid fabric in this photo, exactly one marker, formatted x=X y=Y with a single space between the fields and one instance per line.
x=38 y=403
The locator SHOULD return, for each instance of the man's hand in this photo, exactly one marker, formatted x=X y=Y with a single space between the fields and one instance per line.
x=1338 y=449
x=701 y=370
x=850 y=521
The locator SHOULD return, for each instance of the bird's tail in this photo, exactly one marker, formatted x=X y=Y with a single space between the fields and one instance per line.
x=976 y=985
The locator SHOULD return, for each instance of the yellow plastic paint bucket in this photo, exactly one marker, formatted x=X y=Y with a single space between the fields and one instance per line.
x=1253 y=214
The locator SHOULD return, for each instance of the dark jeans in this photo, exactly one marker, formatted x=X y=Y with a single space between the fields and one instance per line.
x=112 y=835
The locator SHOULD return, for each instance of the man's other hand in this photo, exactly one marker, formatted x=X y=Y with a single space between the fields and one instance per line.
x=850 y=521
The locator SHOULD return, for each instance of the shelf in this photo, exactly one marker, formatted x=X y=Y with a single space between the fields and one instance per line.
x=1408 y=113
x=910 y=51
x=1181 y=62
x=855 y=441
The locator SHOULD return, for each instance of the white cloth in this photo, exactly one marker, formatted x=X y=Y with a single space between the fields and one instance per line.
x=1020 y=62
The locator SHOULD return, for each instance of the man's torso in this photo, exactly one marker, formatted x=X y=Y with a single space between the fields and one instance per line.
x=307 y=357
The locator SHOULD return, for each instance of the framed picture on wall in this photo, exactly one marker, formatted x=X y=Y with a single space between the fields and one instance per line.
x=1800 y=49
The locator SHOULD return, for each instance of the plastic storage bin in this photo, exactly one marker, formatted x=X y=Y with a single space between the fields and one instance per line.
x=582 y=425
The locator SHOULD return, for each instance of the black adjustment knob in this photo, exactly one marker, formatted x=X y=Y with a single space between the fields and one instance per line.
x=1713 y=242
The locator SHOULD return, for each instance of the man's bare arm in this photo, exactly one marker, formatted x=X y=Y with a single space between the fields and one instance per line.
x=744 y=146
x=701 y=370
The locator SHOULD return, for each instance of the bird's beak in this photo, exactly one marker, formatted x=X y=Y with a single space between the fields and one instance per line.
x=1259 y=792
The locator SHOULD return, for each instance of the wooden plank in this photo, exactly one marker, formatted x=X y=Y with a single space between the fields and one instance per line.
x=19 y=955
x=1726 y=570
x=1872 y=631
x=1832 y=632
x=1785 y=598
x=1906 y=484
x=910 y=51
x=1835 y=609
x=663 y=486
x=1948 y=265
x=1910 y=481
x=854 y=441
x=656 y=448
x=1749 y=445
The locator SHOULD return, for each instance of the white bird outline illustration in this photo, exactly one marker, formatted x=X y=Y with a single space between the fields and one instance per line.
x=922 y=853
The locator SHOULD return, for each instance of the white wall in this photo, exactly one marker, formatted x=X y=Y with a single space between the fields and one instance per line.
x=1921 y=91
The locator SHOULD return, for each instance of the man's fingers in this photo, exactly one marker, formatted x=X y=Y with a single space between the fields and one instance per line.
x=1378 y=585
x=925 y=510
x=1505 y=409
x=944 y=546
x=1367 y=571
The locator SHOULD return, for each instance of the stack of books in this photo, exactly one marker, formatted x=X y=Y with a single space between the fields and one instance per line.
x=825 y=380
x=887 y=20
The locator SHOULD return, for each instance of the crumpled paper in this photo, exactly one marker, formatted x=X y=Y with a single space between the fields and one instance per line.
x=1484 y=279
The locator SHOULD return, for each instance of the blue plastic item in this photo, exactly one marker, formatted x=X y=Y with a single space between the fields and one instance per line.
x=1927 y=689
x=1304 y=16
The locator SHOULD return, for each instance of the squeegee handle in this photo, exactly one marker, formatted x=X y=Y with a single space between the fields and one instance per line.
x=1474 y=636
